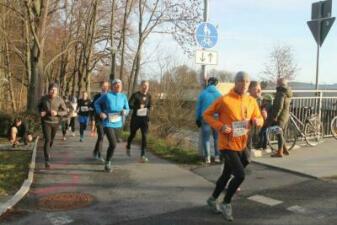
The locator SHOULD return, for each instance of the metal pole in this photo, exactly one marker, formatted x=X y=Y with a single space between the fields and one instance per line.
x=203 y=77
x=317 y=66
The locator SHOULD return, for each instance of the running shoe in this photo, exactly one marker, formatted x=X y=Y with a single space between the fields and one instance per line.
x=108 y=167
x=213 y=205
x=143 y=159
x=226 y=210
x=128 y=150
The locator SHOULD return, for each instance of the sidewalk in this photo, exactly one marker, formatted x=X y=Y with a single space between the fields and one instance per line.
x=318 y=162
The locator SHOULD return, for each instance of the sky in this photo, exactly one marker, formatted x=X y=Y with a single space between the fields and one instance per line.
x=248 y=31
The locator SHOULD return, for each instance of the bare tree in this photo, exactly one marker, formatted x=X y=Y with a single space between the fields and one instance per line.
x=222 y=75
x=281 y=64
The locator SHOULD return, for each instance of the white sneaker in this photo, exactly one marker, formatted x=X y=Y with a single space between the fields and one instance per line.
x=208 y=160
x=73 y=134
x=217 y=159
x=213 y=204
x=226 y=210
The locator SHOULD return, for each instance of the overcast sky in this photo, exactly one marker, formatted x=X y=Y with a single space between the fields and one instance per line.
x=248 y=30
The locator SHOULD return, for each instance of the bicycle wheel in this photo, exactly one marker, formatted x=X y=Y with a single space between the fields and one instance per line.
x=333 y=126
x=272 y=138
x=290 y=136
x=313 y=131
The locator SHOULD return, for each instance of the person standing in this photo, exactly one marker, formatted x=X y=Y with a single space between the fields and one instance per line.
x=237 y=111
x=97 y=153
x=205 y=99
x=140 y=103
x=73 y=114
x=51 y=108
x=112 y=107
x=280 y=114
x=83 y=109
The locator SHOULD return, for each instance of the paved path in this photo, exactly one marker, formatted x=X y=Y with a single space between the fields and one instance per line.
x=163 y=193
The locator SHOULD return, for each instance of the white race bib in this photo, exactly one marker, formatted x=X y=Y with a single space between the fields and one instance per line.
x=114 y=117
x=84 y=108
x=239 y=128
x=142 y=112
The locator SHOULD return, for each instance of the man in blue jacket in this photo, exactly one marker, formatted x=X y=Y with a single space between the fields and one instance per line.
x=205 y=99
x=111 y=108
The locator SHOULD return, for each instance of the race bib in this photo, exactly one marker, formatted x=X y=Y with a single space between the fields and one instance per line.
x=114 y=117
x=142 y=112
x=84 y=108
x=239 y=128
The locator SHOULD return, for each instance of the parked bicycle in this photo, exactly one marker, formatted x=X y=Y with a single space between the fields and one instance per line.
x=333 y=127
x=311 y=130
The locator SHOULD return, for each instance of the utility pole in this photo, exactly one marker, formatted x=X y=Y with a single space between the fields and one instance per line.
x=203 y=77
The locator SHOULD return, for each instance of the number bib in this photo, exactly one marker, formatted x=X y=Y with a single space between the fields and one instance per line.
x=114 y=117
x=142 y=112
x=239 y=128
x=84 y=109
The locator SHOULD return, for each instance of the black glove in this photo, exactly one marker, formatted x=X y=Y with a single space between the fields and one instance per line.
x=198 y=122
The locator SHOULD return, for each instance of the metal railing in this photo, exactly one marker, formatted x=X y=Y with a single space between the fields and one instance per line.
x=322 y=102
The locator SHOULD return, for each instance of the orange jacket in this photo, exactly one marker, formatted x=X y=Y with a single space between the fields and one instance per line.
x=232 y=108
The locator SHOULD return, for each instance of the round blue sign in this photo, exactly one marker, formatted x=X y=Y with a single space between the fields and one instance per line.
x=206 y=35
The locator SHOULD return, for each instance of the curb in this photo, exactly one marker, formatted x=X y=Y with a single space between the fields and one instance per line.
x=285 y=170
x=25 y=187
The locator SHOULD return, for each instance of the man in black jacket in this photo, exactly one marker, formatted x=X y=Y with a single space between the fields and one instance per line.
x=140 y=103
x=51 y=108
x=100 y=132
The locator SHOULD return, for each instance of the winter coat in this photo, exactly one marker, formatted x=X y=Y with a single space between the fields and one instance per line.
x=281 y=106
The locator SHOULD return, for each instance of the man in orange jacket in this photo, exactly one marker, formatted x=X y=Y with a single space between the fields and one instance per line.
x=237 y=113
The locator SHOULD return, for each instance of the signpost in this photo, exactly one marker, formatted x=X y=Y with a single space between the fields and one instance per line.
x=320 y=24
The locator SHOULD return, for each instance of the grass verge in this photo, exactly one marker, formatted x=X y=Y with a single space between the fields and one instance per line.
x=162 y=149
x=14 y=166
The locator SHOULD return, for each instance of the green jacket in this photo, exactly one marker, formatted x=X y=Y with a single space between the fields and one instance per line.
x=281 y=106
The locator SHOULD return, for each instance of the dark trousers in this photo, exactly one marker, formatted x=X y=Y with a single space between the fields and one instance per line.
x=72 y=123
x=64 y=126
x=234 y=164
x=142 y=124
x=49 y=132
x=100 y=137
x=83 y=127
x=111 y=135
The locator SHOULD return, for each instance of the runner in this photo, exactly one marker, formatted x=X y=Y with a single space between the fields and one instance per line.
x=73 y=114
x=237 y=111
x=98 y=123
x=140 y=103
x=51 y=108
x=205 y=99
x=112 y=107
x=83 y=109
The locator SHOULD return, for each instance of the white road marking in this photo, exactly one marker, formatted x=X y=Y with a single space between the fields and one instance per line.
x=297 y=209
x=265 y=200
x=59 y=219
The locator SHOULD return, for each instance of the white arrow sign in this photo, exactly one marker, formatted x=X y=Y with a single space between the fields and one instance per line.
x=206 y=57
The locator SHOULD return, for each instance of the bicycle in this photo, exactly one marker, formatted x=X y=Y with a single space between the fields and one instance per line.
x=311 y=130
x=333 y=127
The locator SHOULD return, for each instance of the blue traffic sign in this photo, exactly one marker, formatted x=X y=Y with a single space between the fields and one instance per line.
x=206 y=35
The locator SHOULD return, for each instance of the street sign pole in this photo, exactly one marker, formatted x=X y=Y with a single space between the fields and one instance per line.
x=203 y=77
x=317 y=67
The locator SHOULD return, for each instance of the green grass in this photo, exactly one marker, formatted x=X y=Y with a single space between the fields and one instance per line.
x=14 y=167
x=162 y=149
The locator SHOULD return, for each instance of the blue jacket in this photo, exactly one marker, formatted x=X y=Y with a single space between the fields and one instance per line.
x=112 y=104
x=205 y=99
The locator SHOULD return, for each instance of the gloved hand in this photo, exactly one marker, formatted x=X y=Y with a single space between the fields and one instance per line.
x=198 y=122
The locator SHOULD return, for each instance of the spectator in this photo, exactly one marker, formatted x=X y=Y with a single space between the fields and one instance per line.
x=280 y=114
x=205 y=99
x=18 y=133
